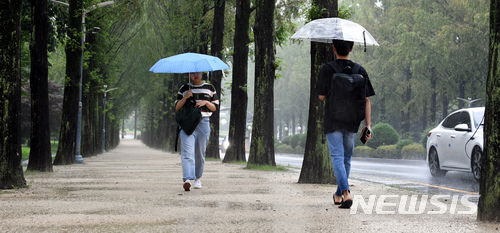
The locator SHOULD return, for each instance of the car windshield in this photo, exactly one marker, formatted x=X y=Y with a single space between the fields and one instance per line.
x=478 y=118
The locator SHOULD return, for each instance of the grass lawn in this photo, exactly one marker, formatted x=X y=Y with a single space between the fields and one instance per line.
x=26 y=150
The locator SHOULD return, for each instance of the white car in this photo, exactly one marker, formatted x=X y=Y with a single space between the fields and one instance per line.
x=456 y=144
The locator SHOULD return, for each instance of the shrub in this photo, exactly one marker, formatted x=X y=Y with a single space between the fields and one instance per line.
x=414 y=151
x=383 y=134
x=294 y=140
x=302 y=140
x=363 y=151
x=286 y=140
x=385 y=152
x=299 y=150
x=400 y=145
x=424 y=136
x=284 y=148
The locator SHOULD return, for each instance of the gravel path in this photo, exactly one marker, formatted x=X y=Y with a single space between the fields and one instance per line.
x=136 y=189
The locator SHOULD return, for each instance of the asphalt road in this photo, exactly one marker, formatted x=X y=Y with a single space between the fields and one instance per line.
x=407 y=174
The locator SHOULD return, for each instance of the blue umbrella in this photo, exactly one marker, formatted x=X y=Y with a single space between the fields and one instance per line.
x=188 y=63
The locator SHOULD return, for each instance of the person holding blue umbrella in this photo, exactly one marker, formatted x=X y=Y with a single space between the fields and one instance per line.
x=204 y=97
x=194 y=145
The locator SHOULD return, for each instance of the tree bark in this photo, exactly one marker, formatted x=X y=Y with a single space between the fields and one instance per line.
x=317 y=164
x=239 y=95
x=489 y=189
x=67 y=136
x=262 y=142
x=40 y=158
x=11 y=171
x=216 y=77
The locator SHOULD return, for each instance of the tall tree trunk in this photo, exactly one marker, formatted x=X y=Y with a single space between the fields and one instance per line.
x=489 y=189
x=40 y=158
x=11 y=171
x=136 y=115
x=405 y=112
x=317 y=164
x=239 y=95
x=67 y=136
x=90 y=114
x=424 y=116
x=433 y=107
x=216 y=78
x=461 y=94
x=262 y=142
x=445 y=104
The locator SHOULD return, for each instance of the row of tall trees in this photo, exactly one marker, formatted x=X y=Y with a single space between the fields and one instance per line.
x=30 y=66
x=419 y=64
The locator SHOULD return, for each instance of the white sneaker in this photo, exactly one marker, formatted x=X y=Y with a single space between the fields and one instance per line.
x=197 y=184
x=187 y=185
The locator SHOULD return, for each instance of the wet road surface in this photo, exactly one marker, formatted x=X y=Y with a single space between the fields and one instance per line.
x=406 y=174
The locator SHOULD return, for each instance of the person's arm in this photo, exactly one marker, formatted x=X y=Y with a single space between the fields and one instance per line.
x=208 y=104
x=368 y=116
x=181 y=102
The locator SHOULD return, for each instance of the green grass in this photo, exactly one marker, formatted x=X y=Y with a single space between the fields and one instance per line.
x=26 y=150
x=212 y=159
x=257 y=167
x=266 y=167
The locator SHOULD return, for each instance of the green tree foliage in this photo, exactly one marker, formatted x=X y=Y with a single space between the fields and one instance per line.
x=383 y=134
x=430 y=53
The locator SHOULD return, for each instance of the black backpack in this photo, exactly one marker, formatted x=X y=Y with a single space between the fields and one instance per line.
x=347 y=96
x=187 y=118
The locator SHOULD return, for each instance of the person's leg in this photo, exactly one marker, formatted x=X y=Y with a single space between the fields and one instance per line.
x=336 y=147
x=202 y=134
x=349 y=139
x=187 y=156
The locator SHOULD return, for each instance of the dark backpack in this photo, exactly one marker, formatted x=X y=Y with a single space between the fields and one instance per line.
x=347 y=96
x=187 y=118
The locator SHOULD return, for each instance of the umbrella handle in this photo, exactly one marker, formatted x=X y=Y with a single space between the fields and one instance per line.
x=364 y=39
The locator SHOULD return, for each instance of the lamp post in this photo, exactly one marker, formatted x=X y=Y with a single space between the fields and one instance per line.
x=78 y=156
x=104 y=118
x=468 y=100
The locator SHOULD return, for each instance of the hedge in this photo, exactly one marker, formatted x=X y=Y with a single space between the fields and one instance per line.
x=383 y=134
x=414 y=151
x=362 y=151
x=385 y=152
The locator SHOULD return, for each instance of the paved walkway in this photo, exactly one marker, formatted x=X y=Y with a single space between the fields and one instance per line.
x=136 y=189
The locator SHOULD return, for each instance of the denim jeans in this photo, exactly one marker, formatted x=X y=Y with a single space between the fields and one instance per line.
x=193 y=149
x=341 y=145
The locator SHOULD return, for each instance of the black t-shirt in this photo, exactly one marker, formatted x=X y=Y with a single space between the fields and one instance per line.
x=322 y=88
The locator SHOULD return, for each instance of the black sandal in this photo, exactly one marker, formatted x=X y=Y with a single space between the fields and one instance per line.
x=335 y=202
x=346 y=204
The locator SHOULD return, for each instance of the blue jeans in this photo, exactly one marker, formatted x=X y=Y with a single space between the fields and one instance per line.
x=193 y=149
x=341 y=145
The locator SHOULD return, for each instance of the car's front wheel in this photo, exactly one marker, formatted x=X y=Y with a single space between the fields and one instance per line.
x=476 y=163
x=434 y=164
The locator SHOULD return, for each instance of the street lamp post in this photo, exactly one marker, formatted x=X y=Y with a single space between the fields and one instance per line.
x=468 y=100
x=104 y=118
x=78 y=156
